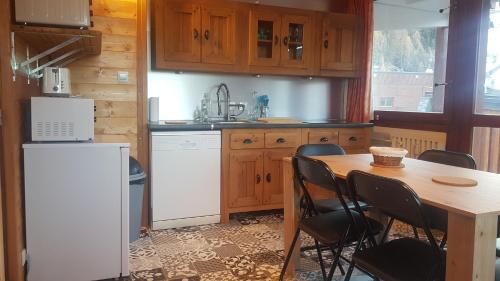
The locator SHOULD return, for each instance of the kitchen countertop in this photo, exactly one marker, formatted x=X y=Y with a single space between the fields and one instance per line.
x=192 y=126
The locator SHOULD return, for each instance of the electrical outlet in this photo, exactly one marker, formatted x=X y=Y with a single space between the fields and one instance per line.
x=122 y=76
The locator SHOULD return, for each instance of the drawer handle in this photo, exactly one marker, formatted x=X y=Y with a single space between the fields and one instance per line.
x=258 y=179
x=207 y=35
x=353 y=139
x=285 y=41
x=325 y=44
x=324 y=139
x=281 y=140
x=276 y=40
x=196 y=34
x=268 y=177
x=247 y=141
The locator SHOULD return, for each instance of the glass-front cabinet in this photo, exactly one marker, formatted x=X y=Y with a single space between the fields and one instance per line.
x=265 y=38
x=296 y=34
x=279 y=40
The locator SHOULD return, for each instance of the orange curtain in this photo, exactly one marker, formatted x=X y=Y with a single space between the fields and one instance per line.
x=359 y=89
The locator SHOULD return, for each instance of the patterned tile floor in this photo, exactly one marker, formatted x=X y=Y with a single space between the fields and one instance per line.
x=250 y=247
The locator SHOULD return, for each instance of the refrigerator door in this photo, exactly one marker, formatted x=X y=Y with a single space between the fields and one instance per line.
x=75 y=196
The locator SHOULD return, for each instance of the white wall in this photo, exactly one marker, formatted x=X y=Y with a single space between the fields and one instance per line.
x=294 y=97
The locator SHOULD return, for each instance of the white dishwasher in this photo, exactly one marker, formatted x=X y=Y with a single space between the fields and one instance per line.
x=185 y=178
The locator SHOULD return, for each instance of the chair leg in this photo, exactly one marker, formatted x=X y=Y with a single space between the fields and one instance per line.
x=289 y=255
x=443 y=242
x=336 y=260
x=387 y=230
x=349 y=271
x=320 y=257
x=415 y=232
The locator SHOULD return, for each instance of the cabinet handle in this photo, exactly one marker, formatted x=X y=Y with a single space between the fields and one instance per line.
x=207 y=34
x=325 y=44
x=268 y=177
x=276 y=40
x=258 y=179
x=285 y=41
x=281 y=140
x=196 y=34
x=324 y=139
x=353 y=139
x=247 y=141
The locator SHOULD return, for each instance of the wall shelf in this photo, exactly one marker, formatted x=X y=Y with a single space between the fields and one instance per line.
x=55 y=46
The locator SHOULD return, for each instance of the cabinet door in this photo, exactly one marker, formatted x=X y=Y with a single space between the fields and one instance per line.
x=178 y=31
x=265 y=38
x=273 y=189
x=296 y=33
x=245 y=178
x=340 y=39
x=219 y=35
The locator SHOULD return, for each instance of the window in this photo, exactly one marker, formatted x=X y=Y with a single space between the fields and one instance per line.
x=409 y=57
x=488 y=96
x=386 y=102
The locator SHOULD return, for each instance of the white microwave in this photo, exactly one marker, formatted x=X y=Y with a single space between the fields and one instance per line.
x=62 y=119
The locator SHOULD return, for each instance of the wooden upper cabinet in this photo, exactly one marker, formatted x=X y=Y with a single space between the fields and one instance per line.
x=265 y=37
x=340 y=39
x=296 y=33
x=219 y=35
x=177 y=31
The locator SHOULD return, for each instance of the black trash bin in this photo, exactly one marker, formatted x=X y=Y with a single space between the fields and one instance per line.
x=137 y=178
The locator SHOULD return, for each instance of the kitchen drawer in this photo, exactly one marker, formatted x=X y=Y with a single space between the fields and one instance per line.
x=353 y=139
x=283 y=139
x=247 y=140
x=323 y=137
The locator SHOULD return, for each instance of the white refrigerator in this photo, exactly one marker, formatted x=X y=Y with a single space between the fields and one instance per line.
x=77 y=218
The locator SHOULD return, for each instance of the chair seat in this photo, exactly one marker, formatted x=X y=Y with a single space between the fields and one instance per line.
x=329 y=228
x=406 y=259
x=332 y=205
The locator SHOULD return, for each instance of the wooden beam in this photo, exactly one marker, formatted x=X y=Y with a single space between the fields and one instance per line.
x=142 y=100
x=13 y=95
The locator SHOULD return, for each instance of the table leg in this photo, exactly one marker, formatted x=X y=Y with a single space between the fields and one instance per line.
x=471 y=247
x=291 y=214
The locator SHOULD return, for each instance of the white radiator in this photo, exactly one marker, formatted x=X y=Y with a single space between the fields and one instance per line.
x=54 y=12
x=414 y=141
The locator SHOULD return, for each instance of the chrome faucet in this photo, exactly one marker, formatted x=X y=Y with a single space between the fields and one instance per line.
x=219 y=108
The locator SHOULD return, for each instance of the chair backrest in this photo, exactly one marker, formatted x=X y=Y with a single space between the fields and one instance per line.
x=320 y=149
x=448 y=158
x=392 y=197
x=308 y=170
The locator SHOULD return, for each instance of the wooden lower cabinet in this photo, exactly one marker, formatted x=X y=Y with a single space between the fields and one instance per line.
x=252 y=166
x=273 y=190
x=245 y=179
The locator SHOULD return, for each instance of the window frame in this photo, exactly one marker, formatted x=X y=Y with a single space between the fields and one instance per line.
x=466 y=36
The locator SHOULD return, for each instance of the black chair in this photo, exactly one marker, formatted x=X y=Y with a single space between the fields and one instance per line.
x=408 y=259
x=497 y=270
x=327 y=205
x=333 y=229
x=438 y=218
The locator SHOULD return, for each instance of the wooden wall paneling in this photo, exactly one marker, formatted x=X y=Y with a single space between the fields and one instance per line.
x=96 y=77
x=100 y=75
x=142 y=101
x=125 y=9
